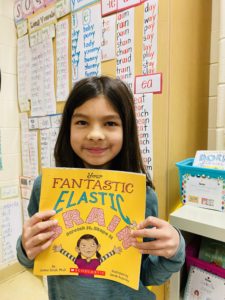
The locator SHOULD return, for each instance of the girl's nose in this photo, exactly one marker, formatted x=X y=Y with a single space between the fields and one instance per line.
x=95 y=134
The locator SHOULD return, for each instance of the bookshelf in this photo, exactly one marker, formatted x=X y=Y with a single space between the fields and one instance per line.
x=200 y=221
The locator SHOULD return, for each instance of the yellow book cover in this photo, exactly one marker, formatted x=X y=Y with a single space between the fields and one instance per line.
x=96 y=211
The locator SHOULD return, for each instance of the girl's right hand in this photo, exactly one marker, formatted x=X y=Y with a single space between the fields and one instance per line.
x=37 y=234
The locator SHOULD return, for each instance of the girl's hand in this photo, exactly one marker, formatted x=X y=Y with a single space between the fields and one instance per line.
x=166 y=237
x=37 y=234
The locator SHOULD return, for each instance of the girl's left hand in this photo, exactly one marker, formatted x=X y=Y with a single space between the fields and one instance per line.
x=166 y=238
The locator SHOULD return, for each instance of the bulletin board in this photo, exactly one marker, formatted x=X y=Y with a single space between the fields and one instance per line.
x=60 y=42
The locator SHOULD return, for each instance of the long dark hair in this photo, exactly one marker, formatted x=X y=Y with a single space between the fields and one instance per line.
x=119 y=95
x=88 y=237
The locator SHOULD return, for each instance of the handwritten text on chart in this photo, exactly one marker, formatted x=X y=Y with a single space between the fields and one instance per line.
x=151 y=83
x=149 y=56
x=112 y=6
x=125 y=46
x=143 y=110
x=86 y=43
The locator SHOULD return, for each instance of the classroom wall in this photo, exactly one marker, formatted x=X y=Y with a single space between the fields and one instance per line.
x=9 y=114
x=216 y=126
x=180 y=116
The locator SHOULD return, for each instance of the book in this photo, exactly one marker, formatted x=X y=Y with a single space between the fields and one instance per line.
x=96 y=211
x=210 y=159
x=212 y=251
x=203 y=285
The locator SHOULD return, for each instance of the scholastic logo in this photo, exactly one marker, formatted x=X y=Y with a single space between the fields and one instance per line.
x=87 y=271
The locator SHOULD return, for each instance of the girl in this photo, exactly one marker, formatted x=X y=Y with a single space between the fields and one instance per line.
x=88 y=256
x=99 y=130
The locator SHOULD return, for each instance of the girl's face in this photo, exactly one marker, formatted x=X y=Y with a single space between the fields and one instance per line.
x=96 y=133
x=88 y=248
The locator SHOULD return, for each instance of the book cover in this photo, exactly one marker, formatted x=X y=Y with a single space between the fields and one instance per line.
x=210 y=159
x=203 y=285
x=212 y=251
x=96 y=211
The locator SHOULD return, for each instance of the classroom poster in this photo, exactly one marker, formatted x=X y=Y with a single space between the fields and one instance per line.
x=24 y=144
x=149 y=56
x=47 y=140
x=29 y=148
x=62 y=60
x=78 y=4
x=11 y=228
x=62 y=8
x=125 y=47
x=26 y=185
x=86 y=43
x=97 y=208
x=143 y=110
x=42 y=79
x=33 y=153
x=23 y=72
x=108 y=45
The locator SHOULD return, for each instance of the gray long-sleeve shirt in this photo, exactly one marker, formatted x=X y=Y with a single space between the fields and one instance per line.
x=155 y=270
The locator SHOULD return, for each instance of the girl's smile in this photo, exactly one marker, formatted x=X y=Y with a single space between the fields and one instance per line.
x=96 y=150
x=96 y=134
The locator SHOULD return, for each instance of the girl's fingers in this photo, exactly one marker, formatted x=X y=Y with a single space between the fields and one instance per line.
x=42 y=226
x=37 y=233
x=39 y=239
x=154 y=245
x=153 y=233
x=152 y=221
x=33 y=252
x=41 y=216
x=158 y=248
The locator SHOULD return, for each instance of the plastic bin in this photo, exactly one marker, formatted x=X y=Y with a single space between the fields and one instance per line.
x=186 y=169
x=192 y=250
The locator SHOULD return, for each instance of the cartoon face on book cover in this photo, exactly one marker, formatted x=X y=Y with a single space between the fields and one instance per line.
x=96 y=211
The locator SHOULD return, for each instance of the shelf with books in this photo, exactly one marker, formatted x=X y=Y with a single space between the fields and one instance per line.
x=195 y=221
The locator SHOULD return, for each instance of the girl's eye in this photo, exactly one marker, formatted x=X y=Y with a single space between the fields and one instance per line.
x=111 y=123
x=81 y=122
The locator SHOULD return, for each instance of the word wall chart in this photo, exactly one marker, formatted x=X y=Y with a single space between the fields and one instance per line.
x=125 y=46
x=86 y=43
x=10 y=229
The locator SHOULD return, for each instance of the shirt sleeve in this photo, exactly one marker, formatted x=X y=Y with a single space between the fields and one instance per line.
x=33 y=207
x=155 y=270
